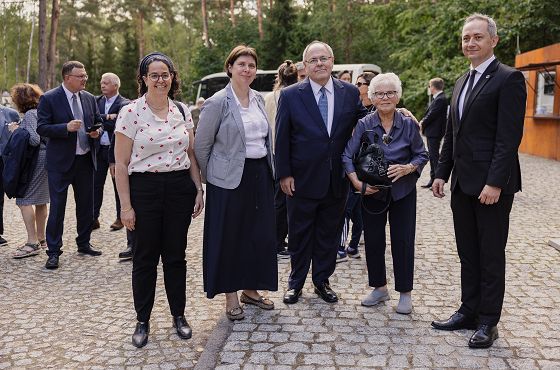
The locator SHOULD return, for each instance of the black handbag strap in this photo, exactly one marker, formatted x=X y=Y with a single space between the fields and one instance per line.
x=387 y=202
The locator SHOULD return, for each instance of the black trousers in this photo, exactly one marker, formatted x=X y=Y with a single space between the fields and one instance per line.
x=433 y=152
x=1 y=197
x=314 y=234
x=80 y=176
x=163 y=203
x=281 y=216
x=99 y=182
x=402 y=223
x=481 y=232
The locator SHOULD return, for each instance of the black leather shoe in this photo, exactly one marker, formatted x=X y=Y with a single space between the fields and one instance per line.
x=95 y=224
x=140 y=336
x=89 y=250
x=457 y=321
x=326 y=293
x=3 y=241
x=52 y=263
x=484 y=336
x=126 y=254
x=292 y=295
x=184 y=331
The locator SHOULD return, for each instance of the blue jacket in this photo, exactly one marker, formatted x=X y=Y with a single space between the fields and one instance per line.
x=20 y=159
x=7 y=115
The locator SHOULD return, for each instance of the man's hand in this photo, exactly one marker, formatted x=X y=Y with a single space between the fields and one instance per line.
x=408 y=113
x=74 y=125
x=437 y=188
x=111 y=116
x=489 y=195
x=287 y=185
x=94 y=134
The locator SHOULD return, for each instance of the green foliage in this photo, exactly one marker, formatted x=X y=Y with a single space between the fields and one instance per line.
x=417 y=39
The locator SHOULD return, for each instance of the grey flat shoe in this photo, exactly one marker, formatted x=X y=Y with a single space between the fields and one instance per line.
x=375 y=297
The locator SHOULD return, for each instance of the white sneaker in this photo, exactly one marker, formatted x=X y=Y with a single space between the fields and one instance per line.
x=376 y=296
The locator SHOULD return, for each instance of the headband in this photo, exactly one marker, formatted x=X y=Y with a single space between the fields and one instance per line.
x=148 y=59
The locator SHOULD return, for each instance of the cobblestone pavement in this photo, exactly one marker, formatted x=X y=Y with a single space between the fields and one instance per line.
x=81 y=316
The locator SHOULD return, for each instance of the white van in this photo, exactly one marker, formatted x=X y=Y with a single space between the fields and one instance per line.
x=264 y=82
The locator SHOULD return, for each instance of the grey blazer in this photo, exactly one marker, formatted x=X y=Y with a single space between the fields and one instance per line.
x=219 y=143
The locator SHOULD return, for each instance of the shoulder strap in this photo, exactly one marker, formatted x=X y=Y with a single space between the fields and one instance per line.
x=181 y=109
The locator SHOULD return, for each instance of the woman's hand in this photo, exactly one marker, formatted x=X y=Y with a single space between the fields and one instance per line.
x=198 y=204
x=396 y=171
x=369 y=189
x=128 y=218
x=12 y=126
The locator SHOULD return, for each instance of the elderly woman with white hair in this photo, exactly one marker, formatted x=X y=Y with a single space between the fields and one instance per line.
x=404 y=149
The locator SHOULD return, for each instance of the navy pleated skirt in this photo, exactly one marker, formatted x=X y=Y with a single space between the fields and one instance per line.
x=239 y=250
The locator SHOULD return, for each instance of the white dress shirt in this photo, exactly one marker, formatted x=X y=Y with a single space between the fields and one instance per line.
x=69 y=94
x=255 y=126
x=479 y=72
x=108 y=103
x=329 y=87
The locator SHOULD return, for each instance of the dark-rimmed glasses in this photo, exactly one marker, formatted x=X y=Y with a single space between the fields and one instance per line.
x=388 y=94
x=154 y=77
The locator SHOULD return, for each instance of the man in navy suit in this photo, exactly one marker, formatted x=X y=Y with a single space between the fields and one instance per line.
x=109 y=104
x=67 y=115
x=433 y=125
x=314 y=121
x=7 y=116
x=479 y=151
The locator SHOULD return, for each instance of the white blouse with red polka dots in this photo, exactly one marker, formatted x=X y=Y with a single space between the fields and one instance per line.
x=159 y=145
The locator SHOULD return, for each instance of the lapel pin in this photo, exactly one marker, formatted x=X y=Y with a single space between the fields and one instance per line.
x=487 y=76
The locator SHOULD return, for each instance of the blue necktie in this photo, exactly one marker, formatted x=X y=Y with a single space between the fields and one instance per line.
x=324 y=107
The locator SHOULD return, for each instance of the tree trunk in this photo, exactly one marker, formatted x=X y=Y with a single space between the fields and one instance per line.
x=231 y=12
x=205 y=24
x=43 y=67
x=30 y=47
x=51 y=56
x=260 y=19
x=140 y=33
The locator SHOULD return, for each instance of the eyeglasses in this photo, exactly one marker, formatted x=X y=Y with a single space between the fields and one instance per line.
x=154 y=77
x=360 y=84
x=388 y=94
x=81 y=77
x=314 y=61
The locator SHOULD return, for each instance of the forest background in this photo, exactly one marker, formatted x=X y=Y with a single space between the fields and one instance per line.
x=417 y=39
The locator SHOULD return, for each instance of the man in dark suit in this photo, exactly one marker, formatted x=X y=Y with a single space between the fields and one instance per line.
x=314 y=121
x=480 y=147
x=67 y=115
x=7 y=116
x=109 y=104
x=433 y=124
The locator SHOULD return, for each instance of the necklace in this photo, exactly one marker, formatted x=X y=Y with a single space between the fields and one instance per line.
x=156 y=108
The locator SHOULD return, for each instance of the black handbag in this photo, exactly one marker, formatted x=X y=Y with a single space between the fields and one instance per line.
x=370 y=163
x=371 y=169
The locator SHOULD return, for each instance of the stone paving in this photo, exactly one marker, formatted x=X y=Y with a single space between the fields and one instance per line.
x=81 y=316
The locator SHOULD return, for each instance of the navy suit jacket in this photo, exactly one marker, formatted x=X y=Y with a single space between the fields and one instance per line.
x=54 y=113
x=433 y=123
x=481 y=147
x=304 y=149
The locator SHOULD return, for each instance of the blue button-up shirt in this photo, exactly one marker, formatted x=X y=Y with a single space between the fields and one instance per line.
x=406 y=146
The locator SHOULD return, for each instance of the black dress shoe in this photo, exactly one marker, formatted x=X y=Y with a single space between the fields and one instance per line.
x=457 y=321
x=484 y=336
x=89 y=250
x=95 y=224
x=326 y=293
x=292 y=295
x=52 y=263
x=140 y=336
x=184 y=331
x=3 y=241
x=126 y=254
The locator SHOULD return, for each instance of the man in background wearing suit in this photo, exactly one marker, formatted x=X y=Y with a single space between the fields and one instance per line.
x=67 y=115
x=433 y=124
x=314 y=121
x=480 y=147
x=109 y=104
x=7 y=116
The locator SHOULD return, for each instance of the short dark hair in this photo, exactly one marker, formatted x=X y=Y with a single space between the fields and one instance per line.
x=143 y=71
x=67 y=67
x=368 y=76
x=342 y=73
x=239 y=51
x=437 y=83
x=26 y=96
x=287 y=75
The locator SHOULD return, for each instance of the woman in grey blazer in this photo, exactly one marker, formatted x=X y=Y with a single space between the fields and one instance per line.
x=233 y=149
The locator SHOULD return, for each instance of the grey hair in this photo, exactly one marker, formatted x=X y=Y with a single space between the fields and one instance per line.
x=113 y=77
x=317 y=42
x=385 y=78
x=492 y=28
